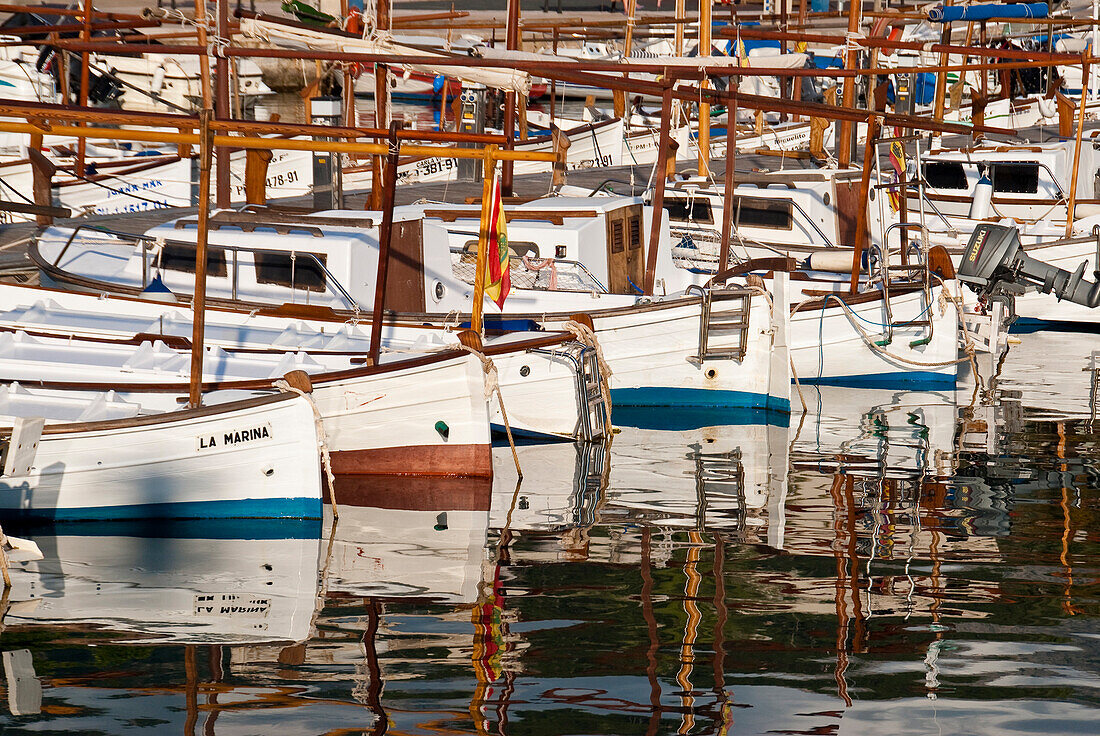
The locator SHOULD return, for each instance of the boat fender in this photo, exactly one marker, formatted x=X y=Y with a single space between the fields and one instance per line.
x=1046 y=107
x=981 y=199
x=157 y=84
x=833 y=260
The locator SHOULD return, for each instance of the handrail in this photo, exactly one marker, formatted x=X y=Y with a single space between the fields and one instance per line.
x=578 y=264
x=330 y=279
x=753 y=264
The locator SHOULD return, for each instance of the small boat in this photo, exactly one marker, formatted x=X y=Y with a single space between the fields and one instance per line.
x=69 y=457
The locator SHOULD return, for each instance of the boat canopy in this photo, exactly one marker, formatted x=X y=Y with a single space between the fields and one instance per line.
x=301 y=38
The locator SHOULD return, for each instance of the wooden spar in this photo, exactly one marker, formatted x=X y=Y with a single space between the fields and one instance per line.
x=419 y=19
x=385 y=236
x=39 y=111
x=846 y=139
x=550 y=67
x=271 y=144
x=221 y=108
x=864 y=188
x=658 y=190
x=887 y=43
x=1077 y=147
x=731 y=162
x=47 y=111
x=512 y=44
x=704 y=107
x=487 y=198
x=86 y=36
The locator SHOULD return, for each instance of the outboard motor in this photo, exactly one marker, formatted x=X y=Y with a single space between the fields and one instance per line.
x=994 y=265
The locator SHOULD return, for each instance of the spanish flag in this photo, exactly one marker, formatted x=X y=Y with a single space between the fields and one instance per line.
x=498 y=280
x=897 y=160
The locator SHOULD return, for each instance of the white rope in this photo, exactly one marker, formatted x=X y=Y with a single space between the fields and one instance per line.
x=322 y=440
x=870 y=342
x=492 y=385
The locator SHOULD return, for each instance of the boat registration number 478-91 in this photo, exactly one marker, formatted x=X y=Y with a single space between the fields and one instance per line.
x=233 y=437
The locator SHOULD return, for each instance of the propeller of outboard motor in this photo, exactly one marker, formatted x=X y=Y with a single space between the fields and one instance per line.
x=995 y=266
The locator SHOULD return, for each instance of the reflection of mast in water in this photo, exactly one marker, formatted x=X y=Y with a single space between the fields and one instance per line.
x=691 y=630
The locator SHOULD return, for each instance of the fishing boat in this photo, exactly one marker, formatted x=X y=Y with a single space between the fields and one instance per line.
x=72 y=457
x=722 y=348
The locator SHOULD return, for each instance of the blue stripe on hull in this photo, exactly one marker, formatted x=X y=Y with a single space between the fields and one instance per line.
x=682 y=419
x=526 y=434
x=250 y=508
x=698 y=398
x=906 y=379
x=1027 y=325
x=174 y=528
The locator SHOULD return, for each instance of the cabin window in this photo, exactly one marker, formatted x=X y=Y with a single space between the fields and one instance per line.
x=694 y=209
x=302 y=272
x=618 y=237
x=1020 y=178
x=182 y=258
x=945 y=175
x=635 y=232
x=767 y=213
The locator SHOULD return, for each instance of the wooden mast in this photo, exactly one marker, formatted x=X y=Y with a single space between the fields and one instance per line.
x=206 y=153
x=704 y=107
x=731 y=161
x=221 y=107
x=864 y=190
x=385 y=236
x=512 y=44
x=847 y=127
x=1077 y=147
x=381 y=105
x=483 y=240
x=659 y=190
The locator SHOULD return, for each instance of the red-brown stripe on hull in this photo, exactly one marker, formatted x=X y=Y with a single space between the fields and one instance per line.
x=413 y=493
x=440 y=461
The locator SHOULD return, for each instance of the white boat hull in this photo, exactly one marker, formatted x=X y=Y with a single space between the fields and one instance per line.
x=258 y=460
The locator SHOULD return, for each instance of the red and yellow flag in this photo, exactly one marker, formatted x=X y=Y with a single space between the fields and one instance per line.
x=897 y=160
x=498 y=279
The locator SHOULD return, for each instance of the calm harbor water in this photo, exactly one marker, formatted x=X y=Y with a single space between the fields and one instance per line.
x=889 y=562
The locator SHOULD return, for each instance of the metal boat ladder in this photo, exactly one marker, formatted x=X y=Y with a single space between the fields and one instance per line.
x=724 y=323
x=594 y=420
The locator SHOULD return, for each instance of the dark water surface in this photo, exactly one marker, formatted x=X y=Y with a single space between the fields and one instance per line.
x=890 y=563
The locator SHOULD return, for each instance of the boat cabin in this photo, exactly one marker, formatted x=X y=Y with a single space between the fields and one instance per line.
x=561 y=249
x=1027 y=180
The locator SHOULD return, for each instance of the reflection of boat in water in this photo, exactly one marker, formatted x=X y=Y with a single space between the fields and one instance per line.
x=716 y=476
x=410 y=538
x=202 y=582
x=900 y=431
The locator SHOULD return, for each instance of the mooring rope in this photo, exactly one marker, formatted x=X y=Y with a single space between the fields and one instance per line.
x=322 y=439
x=492 y=385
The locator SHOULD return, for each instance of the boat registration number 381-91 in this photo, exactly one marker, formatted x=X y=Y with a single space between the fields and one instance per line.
x=233 y=437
